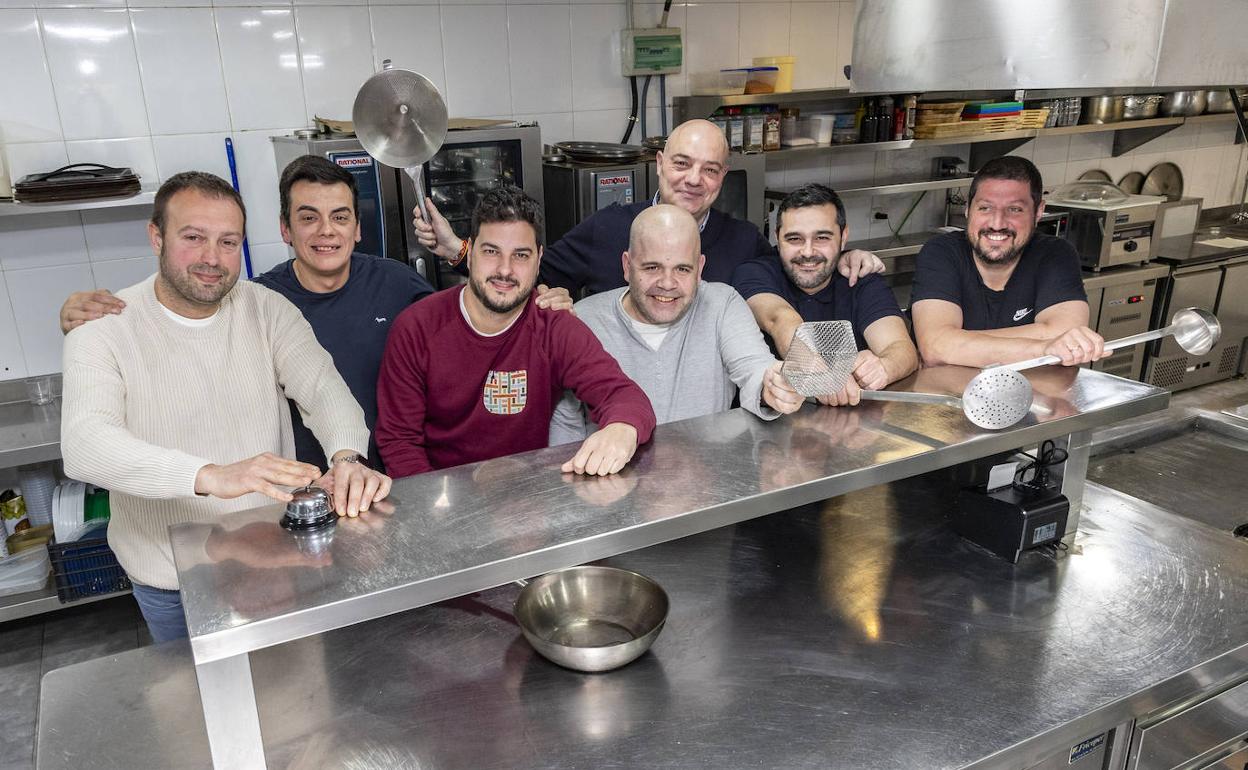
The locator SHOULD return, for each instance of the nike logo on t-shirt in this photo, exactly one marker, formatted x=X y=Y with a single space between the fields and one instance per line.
x=379 y=320
x=1021 y=314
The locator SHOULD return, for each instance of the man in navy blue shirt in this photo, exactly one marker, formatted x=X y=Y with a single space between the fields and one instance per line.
x=691 y=169
x=1000 y=292
x=803 y=284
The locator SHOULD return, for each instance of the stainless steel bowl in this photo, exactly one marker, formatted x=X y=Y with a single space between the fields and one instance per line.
x=1101 y=109
x=1220 y=100
x=591 y=618
x=1183 y=103
x=1140 y=106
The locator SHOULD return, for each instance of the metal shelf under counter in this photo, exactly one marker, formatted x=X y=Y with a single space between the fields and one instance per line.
x=23 y=605
x=15 y=209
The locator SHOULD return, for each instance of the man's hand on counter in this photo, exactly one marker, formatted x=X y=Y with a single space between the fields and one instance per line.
x=856 y=263
x=870 y=372
x=265 y=473
x=436 y=234
x=1079 y=345
x=606 y=451
x=83 y=306
x=354 y=486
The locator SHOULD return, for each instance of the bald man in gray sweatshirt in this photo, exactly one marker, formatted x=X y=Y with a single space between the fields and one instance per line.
x=689 y=344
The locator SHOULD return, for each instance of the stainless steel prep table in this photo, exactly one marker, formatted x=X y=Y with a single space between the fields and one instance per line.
x=854 y=633
x=246 y=586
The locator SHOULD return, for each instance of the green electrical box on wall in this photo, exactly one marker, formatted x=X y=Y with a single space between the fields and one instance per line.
x=652 y=51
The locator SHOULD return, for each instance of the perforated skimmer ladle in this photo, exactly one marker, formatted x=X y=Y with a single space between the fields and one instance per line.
x=821 y=360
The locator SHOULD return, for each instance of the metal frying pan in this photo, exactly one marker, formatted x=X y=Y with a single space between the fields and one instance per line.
x=1195 y=330
x=1131 y=182
x=591 y=618
x=1164 y=179
x=821 y=360
x=400 y=119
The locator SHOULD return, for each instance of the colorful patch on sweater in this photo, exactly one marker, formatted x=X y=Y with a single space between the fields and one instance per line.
x=506 y=392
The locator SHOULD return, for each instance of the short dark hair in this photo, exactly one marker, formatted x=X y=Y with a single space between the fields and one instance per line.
x=1014 y=169
x=206 y=184
x=318 y=170
x=509 y=204
x=813 y=194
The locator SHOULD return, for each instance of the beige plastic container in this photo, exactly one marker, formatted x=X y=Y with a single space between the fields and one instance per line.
x=784 y=82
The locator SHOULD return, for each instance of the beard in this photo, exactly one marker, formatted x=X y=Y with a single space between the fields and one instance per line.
x=810 y=281
x=502 y=308
x=192 y=291
x=1004 y=259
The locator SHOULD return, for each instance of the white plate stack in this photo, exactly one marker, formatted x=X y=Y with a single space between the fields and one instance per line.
x=38 y=482
x=68 y=503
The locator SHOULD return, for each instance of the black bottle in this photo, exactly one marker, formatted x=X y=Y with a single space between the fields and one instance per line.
x=870 y=121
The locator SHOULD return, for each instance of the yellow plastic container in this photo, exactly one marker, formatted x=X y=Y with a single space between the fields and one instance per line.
x=784 y=83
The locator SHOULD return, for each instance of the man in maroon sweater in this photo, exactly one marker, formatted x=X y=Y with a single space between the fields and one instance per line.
x=475 y=372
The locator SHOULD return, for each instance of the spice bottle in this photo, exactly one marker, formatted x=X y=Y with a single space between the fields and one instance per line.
x=771 y=128
x=736 y=130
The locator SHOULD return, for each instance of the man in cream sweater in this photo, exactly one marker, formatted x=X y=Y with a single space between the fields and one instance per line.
x=178 y=406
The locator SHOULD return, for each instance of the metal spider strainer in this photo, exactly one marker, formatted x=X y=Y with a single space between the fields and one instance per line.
x=821 y=360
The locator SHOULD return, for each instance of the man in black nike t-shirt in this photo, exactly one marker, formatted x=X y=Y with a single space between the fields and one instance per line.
x=1000 y=292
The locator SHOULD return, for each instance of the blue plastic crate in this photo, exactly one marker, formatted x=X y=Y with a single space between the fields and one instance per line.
x=86 y=567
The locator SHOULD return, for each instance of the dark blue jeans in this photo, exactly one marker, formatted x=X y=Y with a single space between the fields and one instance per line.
x=162 y=610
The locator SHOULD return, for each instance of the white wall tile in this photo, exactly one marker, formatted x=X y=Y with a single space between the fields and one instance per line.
x=813 y=40
x=21 y=50
x=597 y=82
x=601 y=125
x=41 y=240
x=1052 y=174
x=260 y=57
x=764 y=31
x=477 y=78
x=852 y=169
x=800 y=171
x=257 y=179
x=171 y=4
x=95 y=73
x=23 y=159
x=191 y=152
x=555 y=126
x=181 y=67
x=335 y=46
x=118 y=274
x=251 y=3
x=844 y=45
x=1201 y=174
x=81 y=3
x=119 y=233
x=266 y=256
x=1089 y=146
x=402 y=2
x=711 y=41
x=539 y=44
x=1215 y=134
x=411 y=38
x=37 y=296
x=134 y=153
x=1228 y=176
x=12 y=362
x=1051 y=149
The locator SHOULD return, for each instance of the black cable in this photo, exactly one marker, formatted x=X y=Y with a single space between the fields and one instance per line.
x=645 y=88
x=632 y=116
x=1048 y=456
x=663 y=103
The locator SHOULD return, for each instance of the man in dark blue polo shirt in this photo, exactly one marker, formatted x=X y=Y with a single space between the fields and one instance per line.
x=1000 y=292
x=691 y=170
x=803 y=284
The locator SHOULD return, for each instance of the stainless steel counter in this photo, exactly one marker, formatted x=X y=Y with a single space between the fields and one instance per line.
x=246 y=585
x=855 y=633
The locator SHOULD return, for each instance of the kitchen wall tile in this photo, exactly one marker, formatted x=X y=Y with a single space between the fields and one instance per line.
x=600 y=125
x=1117 y=168
x=1182 y=138
x=375 y=3
x=335 y=46
x=813 y=40
x=81 y=3
x=261 y=64
x=119 y=233
x=1201 y=174
x=257 y=179
x=1025 y=150
x=1052 y=174
x=852 y=169
x=352 y=4
x=191 y=152
x=844 y=45
x=773 y=176
x=95 y=73
x=711 y=40
x=1229 y=175
x=181 y=67
x=597 y=82
x=555 y=126
x=18 y=4
x=1089 y=146
x=41 y=240
x=1215 y=134
x=764 y=31
x=1051 y=149
x=477 y=78
x=411 y=38
x=266 y=256
x=807 y=170
x=171 y=4
x=134 y=153
x=468 y=2
x=12 y=362
x=251 y=3
x=858 y=220
x=539 y=44
x=654 y=120
x=21 y=50
x=37 y=296
x=23 y=159
x=117 y=274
